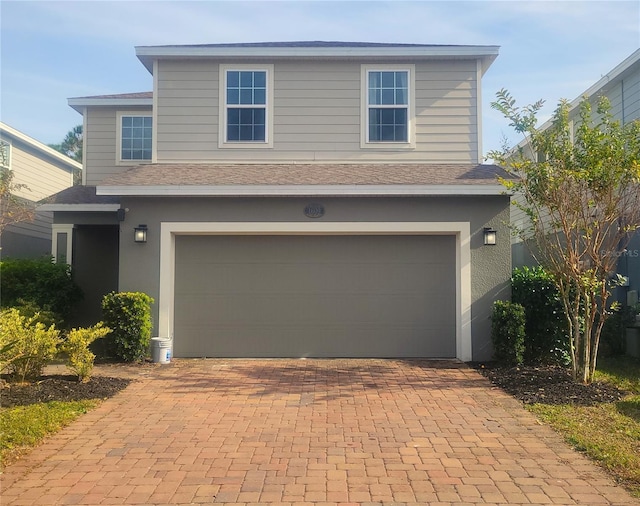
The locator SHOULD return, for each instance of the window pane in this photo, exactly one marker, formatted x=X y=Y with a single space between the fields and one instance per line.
x=126 y=143
x=137 y=154
x=147 y=121
x=259 y=96
x=137 y=143
x=387 y=133
x=375 y=80
x=401 y=133
x=401 y=96
x=233 y=96
x=400 y=116
x=137 y=121
x=258 y=116
x=258 y=133
x=126 y=121
x=388 y=97
x=233 y=133
x=61 y=247
x=246 y=116
x=388 y=79
x=387 y=116
x=146 y=154
x=233 y=116
x=246 y=132
x=246 y=96
x=233 y=79
x=126 y=154
x=146 y=143
x=246 y=79
x=375 y=97
x=402 y=80
x=127 y=132
x=260 y=79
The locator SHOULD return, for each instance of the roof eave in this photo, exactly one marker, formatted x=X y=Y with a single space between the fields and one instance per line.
x=302 y=190
x=487 y=54
x=80 y=103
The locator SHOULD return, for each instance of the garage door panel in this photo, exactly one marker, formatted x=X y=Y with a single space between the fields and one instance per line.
x=317 y=309
x=254 y=341
x=288 y=296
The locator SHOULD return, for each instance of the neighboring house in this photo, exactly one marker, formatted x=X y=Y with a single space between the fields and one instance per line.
x=622 y=87
x=44 y=172
x=311 y=199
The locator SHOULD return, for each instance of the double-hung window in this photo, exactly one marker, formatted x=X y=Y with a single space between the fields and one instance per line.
x=246 y=105
x=387 y=105
x=136 y=134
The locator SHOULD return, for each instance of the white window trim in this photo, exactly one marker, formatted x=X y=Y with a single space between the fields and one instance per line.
x=222 y=115
x=9 y=151
x=119 y=116
x=364 y=107
x=57 y=229
x=461 y=230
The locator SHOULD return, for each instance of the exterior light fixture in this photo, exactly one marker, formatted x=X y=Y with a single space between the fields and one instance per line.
x=489 y=236
x=140 y=233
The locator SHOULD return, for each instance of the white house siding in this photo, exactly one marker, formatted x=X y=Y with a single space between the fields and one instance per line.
x=42 y=175
x=316 y=113
x=101 y=131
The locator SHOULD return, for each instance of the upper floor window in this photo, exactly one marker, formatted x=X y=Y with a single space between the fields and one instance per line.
x=5 y=154
x=387 y=111
x=246 y=105
x=136 y=134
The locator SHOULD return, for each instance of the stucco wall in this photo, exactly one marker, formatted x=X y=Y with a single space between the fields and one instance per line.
x=490 y=265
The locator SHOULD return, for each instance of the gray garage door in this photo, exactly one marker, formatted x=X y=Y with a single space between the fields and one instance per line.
x=315 y=296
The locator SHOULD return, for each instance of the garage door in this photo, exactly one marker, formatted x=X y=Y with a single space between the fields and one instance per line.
x=315 y=296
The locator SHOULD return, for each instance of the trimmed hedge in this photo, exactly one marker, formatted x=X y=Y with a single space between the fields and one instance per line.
x=507 y=332
x=50 y=286
x=546 y=325
x=128 y=315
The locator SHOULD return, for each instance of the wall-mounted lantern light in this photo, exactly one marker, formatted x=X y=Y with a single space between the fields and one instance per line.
x=140 y=233
x=489 y=236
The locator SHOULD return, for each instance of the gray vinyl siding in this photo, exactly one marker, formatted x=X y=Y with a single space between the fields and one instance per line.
x=28 y=239
x=101 y=130
x=316 y=114
x=43 y=175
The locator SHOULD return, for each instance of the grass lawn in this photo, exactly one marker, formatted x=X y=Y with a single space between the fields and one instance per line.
x=23 y=427
x=609 y=433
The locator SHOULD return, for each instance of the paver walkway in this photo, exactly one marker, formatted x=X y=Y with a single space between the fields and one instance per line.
x=308 y=432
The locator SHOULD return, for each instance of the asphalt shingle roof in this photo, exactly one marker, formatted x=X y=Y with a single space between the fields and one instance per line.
x=185 y=174
x=80 y=195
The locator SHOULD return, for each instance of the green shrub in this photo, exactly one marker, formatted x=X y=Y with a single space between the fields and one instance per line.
x=507 y=332
x=546 y=326
x=128 y=315
x=76 y=346
x=32 y=344
x=36 y=314
x=39 y=281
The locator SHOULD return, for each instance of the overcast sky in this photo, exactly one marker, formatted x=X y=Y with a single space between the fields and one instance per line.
x=54 y=50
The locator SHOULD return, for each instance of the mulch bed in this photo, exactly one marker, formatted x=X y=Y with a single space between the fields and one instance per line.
x=547 y=385
x=59 y=388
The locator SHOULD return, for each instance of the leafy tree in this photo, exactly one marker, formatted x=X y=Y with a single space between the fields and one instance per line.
x=580 y=188
x=71 y=146
x=13 y=209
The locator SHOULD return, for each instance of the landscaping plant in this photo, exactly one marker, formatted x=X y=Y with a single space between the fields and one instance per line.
x=32 y=345
x=546 y=325
x=76 y=346
x=47 y=285
x=579 y=187
x=508 y=332
x=128 y=315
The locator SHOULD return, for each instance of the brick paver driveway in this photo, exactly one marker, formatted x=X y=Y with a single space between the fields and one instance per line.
x=308 y=431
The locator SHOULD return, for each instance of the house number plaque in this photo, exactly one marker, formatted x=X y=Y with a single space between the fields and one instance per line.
x=314 y=211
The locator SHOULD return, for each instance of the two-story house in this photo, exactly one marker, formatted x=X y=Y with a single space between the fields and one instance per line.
x=38 y=172
x=314 y=199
